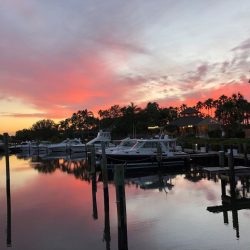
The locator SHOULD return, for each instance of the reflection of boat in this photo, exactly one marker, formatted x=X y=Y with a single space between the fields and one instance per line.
x=101 y=137
x=153 y=182
x=63 y=155
x=147 y=153
x=42 y=147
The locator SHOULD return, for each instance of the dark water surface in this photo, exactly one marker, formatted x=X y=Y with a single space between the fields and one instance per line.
x=53 y=206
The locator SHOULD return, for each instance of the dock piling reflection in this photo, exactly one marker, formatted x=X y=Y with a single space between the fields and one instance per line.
x=8 y=194
x=121 y=207
x=94 y=190
x=106 y=234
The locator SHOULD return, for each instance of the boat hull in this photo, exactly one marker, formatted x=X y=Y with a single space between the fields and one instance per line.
x=146 y=161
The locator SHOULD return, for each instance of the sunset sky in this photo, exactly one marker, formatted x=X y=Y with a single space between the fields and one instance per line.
x=60 y=56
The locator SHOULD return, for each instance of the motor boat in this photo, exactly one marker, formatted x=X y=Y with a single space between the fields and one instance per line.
x=144 y=153
x=59 y=147
x=124 y=145
x=76 y=146
x=25 y=146
x=102 y=137
x=42 y=147
x=68 y=145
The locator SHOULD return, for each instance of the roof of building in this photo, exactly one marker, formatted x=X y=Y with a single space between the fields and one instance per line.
x=209 y=121
x=187 y=120
x=189 y=111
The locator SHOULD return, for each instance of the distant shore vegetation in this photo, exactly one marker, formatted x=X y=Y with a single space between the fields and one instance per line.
x=232 y=112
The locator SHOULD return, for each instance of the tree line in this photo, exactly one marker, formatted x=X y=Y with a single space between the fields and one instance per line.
x=232 y=112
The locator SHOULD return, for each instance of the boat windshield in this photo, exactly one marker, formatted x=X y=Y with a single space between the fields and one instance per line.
x=128 y=143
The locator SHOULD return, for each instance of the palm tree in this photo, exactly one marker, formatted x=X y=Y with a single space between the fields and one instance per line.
x=131 y=111
x=208 y=104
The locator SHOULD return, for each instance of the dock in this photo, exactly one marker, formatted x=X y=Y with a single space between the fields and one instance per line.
x=225 y=170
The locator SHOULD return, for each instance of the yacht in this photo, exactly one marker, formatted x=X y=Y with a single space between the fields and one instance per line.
x=101 y=137
x=25 y=146
x=147 y=153
x=76 y=146
x=124 y=145
x=42 y=147
x=72 y=145
x=59 y=147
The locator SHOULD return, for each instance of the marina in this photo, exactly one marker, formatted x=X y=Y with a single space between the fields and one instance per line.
x=54 y=195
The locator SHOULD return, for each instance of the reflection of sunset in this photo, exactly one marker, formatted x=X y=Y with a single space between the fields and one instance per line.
x=52 y=205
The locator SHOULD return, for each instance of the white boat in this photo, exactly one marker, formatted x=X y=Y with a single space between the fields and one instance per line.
x=100 y=138
x=124 y=145
x=76 y=146
x=42 y=147
x=148 y=153
x=73 y=145
x=25 y=146
x=59 y=147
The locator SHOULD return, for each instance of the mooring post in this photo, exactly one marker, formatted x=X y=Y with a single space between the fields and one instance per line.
x=92 y=159
x=245 y=154
x=223 y=187
x=104 y=167
x=8 y=195
x=232 y=173
x=121 y=207
x=206 y=146
x=94 y=190
x=239 y=148
x=106 y=235
x=222 y=158
x=159 y=155
x=232 y=191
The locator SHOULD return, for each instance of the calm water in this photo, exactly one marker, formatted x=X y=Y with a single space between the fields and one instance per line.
x=53 y=206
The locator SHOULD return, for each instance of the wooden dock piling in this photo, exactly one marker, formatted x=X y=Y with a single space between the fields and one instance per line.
x=222 y=158
x=106 y=235
x=94 y=190
x=245 y=154
x=121 y=207
x=92 y=160
x=8 y=194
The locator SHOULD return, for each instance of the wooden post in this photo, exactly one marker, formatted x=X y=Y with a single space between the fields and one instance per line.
x=94 y=190
x=121 y=208
x=232 y=191
x=92 y=160
x=239 y=148
x=104 y=167
x=225 y=217
x=159 y=155
x=245 y=154
x=8 y=195
x=223 y=187
x=106 y=235
x=222 y=158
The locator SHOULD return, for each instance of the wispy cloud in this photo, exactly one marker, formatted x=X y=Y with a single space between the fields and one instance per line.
x=88 y=54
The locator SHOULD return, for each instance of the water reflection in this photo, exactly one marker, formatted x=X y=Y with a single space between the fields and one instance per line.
x=237 y=198
x=8 y=194
x=94 y=202
x=133 y=215
x=70 y=164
